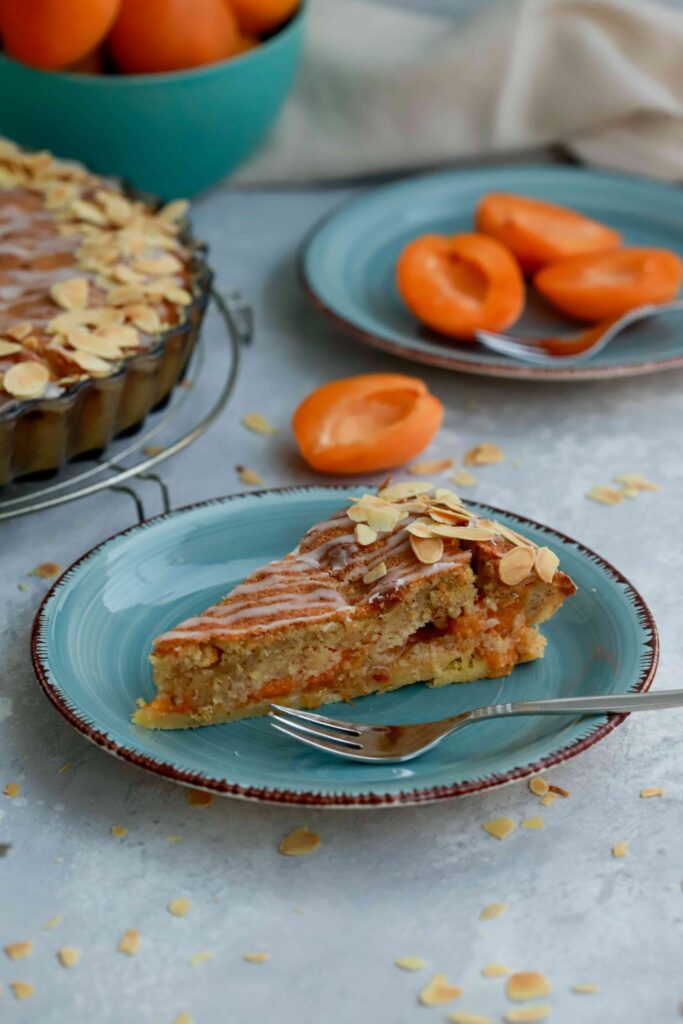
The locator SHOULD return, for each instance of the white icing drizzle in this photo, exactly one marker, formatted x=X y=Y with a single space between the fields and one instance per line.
x=304 y=586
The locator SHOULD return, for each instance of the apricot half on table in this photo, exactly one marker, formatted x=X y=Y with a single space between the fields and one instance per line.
x=538 y=233
x=609 y=284
x=460 y=284
x=367 y=423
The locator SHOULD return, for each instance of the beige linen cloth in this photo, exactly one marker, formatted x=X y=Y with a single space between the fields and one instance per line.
x=384 y=89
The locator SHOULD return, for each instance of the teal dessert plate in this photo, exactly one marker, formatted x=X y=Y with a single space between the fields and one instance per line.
x=347 y=264
x=93 y=632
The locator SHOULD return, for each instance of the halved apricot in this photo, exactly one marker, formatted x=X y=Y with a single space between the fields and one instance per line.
x=538 y=233
x=52 y=34
x=603 y=285
x=259 y=16
x=362 y=424
x=460 y=284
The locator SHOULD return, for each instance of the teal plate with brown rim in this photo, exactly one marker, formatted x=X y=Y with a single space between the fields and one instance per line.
x=93 y=633
x=347 y=265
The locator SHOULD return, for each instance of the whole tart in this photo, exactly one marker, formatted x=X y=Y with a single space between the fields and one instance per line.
x=102 y=295
x=403 y=586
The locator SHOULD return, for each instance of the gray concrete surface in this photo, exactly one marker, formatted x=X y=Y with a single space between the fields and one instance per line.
x=384 y=884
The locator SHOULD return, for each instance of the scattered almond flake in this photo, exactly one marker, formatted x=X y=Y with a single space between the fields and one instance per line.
x=535 y=822
x=483 y=455
x=495 y=970
x=548 y=799
x=538 y=785
x=500 y=828
x=585 y=990
x=152 y=449
x=299 y=842
x=528 y=1014
x=65 y=768
x=258 y=423
x=629 y=492
x=8 y=348
x=256 y=958
x=463 y=478
x=19 y=950
x=179 y=907
x=527 y=985
x=119 y=831
x=68 y=956
x=376 y=573
x=559 y=790
x=439 y=991
x=53 y=922
x=46 y=570
x=248 y=476
x=651 y=791
x=129 y=943
x=604 y=495
x=410 y=963
x=546 y=564
x=12 y=789
x=22 y=989
x=364 y=535
x=173 y=839
x=515 y=565
x=636 y=482
x=430 y=466
x=620 y=848
x=183 y=1018
x=23 y=586
x=201 y=958
x=405 y=489
x=26 y=380
x=71 y=294
x=427 y=550
x=199 y=798
x=516 y=463
x=20 y=330
x=493 y=910
x=464 y=1017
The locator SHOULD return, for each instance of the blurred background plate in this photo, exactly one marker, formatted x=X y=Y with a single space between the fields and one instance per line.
x=94 y=630
x=347 y=265
x=173 y=134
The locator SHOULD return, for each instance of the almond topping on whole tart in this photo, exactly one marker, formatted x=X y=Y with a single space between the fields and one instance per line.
x=8 y=348
x=121 y=335
x=71 y=294
x=144 y=317
x=96 y=344
x=92 y=364
x=20 y=330
x=26 y=380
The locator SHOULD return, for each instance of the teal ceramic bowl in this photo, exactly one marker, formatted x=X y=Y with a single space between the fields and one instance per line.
x=171 y=134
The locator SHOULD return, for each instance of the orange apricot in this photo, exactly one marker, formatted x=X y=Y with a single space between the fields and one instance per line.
x=367 y=423
x=258 y=16
x=461 y=284
x=606 y=285
x=168 y=35
x=538 y=233
x=52 y=34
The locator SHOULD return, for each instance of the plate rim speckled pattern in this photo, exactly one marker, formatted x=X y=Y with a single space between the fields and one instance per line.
x=430 y=794
x=450 y=361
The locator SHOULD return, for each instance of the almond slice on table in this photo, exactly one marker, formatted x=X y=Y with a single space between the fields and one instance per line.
x=495 y=970
x=528 y=1014
x=651 y=791
x=492 y=910
x=257 y=422
x=483 y=455
x=427 y=550
x=299 y=843
x=463 y=478
x=19 y=950
x=430 y=466
x=71 y=294
x=499 y=828
x=439 y=991
x=410 y=963
x=26 y=380
x=129 y=943
x=538 y=785
x=465 y=1017
x=605 y=495
x=635 y=481
x=68 y=956
x=516 y=565
x=405 y=489
x=527 y=985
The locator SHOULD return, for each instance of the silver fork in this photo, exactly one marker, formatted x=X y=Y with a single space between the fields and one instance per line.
x=530 y=350
x=364 y=742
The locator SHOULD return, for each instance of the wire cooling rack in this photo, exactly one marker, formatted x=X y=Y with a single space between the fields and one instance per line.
x=163 y=434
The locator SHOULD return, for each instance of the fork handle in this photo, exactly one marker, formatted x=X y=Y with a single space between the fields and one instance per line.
x=618 y=704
